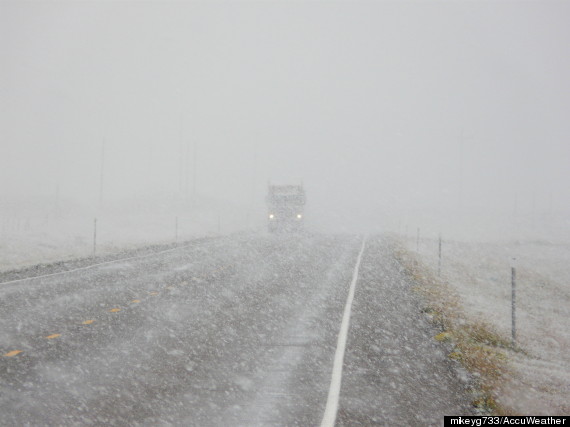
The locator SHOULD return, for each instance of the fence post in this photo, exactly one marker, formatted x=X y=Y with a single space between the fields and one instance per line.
x=513 y=303
x=418 y=241
x=94 y=236
x=439 y=258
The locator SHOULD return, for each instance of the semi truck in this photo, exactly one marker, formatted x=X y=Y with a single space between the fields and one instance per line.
x=285 y=208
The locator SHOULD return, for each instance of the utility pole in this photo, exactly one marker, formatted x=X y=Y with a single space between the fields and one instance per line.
x=253 y=179
x=194 y=172
x=57 y=200
x=418 y=241
x=439 y=258
x=101 y=174
x=180 y=156
x=460 y=182
x=176 y=230
x=254 y=175
x=534 y=208
x=187 y=170
x=94 y=236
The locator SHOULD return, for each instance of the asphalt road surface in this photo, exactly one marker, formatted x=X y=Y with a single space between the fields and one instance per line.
x=231 y=331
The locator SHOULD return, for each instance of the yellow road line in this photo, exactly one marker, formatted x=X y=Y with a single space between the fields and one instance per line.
x=113 y=310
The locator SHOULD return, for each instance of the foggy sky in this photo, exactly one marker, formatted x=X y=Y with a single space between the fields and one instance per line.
x=375 y=106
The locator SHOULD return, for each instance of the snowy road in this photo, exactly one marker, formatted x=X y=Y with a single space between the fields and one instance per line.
x=230 y=331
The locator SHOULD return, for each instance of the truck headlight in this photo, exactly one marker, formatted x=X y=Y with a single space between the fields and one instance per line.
x=271 y=216
x=299 y=216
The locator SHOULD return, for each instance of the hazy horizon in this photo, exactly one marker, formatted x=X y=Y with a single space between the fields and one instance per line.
x=381 y=109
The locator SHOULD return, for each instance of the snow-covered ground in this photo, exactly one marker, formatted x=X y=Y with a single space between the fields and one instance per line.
x=40 y=230
x=478 y=267
x=480 y=272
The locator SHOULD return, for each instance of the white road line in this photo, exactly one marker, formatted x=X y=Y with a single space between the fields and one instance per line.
x=331 y=408
x=93 y=265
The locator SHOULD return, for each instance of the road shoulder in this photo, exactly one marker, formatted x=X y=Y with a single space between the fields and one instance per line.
x=395 y=372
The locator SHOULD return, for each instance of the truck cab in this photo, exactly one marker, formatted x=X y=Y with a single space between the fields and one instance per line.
x=285 y=208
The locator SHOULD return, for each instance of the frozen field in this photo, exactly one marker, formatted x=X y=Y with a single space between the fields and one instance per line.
x=478 y=269
x=38 y=230
x=480 y=273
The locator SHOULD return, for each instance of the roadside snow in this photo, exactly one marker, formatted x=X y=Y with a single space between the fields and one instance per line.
x=480 y=273
x=35 y=231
